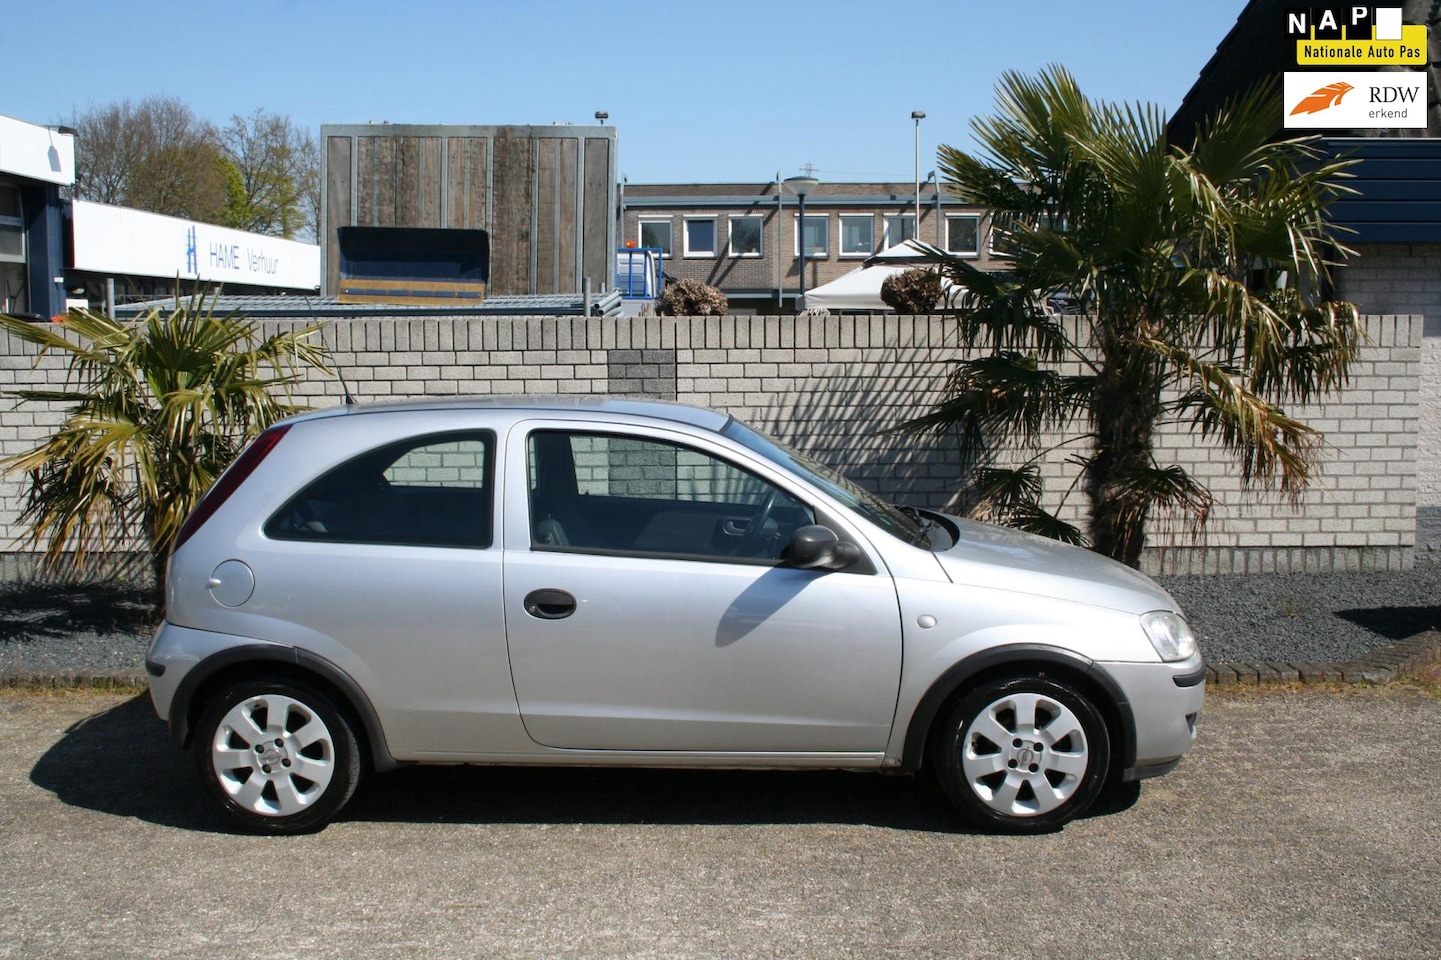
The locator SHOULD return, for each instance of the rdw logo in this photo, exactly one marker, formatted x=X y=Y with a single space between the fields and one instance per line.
x=1323 y=99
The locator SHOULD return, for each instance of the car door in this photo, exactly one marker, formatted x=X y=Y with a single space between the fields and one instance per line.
x=646 y=608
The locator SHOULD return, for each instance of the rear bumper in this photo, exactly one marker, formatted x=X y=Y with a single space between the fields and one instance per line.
x=173 y=654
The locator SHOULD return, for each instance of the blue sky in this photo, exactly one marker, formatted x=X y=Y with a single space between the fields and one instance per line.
x=732 y=90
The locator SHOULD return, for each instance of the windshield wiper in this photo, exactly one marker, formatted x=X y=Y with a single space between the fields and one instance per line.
x=916 y=515
x=923 y=521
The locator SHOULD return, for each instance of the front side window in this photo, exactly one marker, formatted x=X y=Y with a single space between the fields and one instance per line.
x=433 y=491
x=656 y=233
x=700 y=237
x=857 y=235
x=963 y=235
x=867 y=504
x=745 y=238
x=609 y=493
x=817 y=236
x=898 y=229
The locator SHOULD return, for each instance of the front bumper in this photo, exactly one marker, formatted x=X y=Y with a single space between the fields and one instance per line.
x=1165 y=701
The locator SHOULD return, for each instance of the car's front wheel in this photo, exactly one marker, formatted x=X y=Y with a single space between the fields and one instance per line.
x=276 y=755
x=1021 y=755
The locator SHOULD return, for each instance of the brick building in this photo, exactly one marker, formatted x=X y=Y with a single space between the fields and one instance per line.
x=741 y=237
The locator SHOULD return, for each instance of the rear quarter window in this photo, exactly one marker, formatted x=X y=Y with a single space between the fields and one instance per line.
x=435 y=490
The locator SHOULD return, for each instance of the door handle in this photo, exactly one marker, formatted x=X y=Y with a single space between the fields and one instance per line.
x=549 y=604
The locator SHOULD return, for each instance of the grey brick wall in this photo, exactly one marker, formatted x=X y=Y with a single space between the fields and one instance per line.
x=833 y=385
x=1405 y=278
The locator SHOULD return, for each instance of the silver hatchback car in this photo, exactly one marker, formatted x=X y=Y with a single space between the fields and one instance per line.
x=606 y=581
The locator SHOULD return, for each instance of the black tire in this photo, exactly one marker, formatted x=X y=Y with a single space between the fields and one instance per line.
x=1043 y=772
x=277 y=773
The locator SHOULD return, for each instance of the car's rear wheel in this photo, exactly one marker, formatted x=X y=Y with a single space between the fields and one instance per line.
x=1021 y=755
x=276 y=755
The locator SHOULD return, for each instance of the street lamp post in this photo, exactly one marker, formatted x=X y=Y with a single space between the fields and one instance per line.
x=801 y=186
x=918 y=116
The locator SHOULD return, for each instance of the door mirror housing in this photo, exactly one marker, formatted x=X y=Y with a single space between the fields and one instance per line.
x=816 y=547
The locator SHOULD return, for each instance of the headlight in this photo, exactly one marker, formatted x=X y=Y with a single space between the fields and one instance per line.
x=1170 y=634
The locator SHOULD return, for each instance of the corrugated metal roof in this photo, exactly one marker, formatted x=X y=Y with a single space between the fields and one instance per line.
x=547 y=305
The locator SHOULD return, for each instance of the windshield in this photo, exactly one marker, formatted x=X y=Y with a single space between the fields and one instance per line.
x=882 y=514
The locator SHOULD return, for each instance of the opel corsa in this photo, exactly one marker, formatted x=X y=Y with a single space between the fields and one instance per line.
x=625 y=582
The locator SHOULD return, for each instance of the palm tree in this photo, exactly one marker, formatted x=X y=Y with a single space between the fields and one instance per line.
x=157 y=409
x=1196 y=271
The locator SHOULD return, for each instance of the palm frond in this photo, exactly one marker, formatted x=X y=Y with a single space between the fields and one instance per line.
x=1167 y=496
x=1199 y=266
x=1001 y=396
x=156 y=409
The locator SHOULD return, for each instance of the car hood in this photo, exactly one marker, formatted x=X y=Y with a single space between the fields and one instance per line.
x=1001 y=558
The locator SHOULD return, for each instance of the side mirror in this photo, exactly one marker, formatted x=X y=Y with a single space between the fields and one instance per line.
x=818 y=548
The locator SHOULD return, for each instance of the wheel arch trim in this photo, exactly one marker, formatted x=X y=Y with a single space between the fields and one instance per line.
x=996 y=661
x=302 y=662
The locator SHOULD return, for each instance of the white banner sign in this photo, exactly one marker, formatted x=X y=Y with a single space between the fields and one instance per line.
x=1355 y=100
x=120 y=241
x=39 y=153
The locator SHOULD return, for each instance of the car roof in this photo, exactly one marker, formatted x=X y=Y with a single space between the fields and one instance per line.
x=699 y=417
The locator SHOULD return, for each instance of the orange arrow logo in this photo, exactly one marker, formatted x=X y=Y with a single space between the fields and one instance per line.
x=1323 y=99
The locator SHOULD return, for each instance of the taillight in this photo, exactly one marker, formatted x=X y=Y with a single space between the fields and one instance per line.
x=229 y=482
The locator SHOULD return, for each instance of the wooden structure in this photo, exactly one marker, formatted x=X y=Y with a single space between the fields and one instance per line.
x=545 y=195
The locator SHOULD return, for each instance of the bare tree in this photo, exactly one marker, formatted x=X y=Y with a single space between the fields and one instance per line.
x=278 y=165
x=154 y=155
x=260 y=173
x=310 y=191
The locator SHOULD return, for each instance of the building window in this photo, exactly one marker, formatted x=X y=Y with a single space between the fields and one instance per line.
x=745 y=238
x=12 y=226
x=656 y=233
x=858 y=235
x=899 y=228
x=700 y=237
x=963 y=235
x=817 y=234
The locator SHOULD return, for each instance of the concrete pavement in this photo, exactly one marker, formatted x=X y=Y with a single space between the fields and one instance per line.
x=1304 y=824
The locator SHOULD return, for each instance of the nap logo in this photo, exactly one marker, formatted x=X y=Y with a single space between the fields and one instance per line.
x=1352 y=22
x=1355 y=100
x=1355 y=35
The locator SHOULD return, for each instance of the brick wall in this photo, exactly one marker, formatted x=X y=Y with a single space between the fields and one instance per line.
x=1405 y=278
x=831 y=386
x=1428 y=440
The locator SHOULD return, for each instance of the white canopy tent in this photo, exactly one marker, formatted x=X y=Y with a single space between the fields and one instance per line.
x=861 y=288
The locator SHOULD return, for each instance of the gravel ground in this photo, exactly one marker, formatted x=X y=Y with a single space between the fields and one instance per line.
x=1320 y=618
x=94 y=629
x=1308 y=618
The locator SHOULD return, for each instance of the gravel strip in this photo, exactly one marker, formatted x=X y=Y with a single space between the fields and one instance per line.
x=1308 y=618
x=83 y=630
x=104 y=630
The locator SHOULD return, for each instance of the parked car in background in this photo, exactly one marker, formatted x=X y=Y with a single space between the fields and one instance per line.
x=606 y=581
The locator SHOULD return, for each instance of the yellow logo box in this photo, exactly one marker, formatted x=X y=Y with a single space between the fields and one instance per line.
x=1409 y=51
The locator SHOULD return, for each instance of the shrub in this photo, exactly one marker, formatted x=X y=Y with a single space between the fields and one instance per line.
x=691 y=298
x=917 y=290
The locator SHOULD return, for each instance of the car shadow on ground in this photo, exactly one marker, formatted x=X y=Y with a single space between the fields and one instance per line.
x=121 y=762
x=1395 y=623
x=60 y=610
